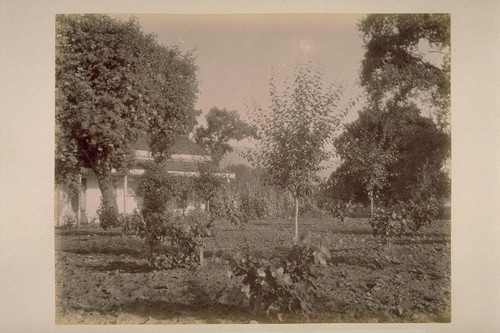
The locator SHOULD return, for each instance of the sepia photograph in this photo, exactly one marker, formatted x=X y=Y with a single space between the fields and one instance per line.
x=259 y=168
x=249 y=166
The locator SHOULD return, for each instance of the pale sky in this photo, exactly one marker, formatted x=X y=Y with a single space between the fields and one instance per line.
x=237 y=52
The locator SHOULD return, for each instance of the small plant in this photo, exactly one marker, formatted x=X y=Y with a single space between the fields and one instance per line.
x=340 y=209
x=187 y=234
x=403 y=218
x=108 y=216
x=389 y=223
x=69 y=220
x=132 y=224
x=424 y=212
x=224 y=206
x=156 y=228
x=286 y=286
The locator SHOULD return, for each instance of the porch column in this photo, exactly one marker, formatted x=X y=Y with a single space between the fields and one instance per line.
x=78 y=214
x=125 y=185
x=58 y=205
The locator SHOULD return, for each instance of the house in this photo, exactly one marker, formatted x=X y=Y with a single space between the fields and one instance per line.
x=184 y=160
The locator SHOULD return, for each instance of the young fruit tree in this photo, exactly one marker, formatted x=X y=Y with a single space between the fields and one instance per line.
x=207 y=183
x=367 y=153
x=293 y=136
x=113 y=82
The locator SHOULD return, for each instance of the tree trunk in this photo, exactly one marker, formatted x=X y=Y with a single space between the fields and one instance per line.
x=107 y=191
x=202 y=261
x=371 y=204
x=296 y=239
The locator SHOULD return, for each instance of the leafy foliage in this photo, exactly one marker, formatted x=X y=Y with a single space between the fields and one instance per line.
x=395 y=66
x=395 y=155
x=132 y=224
x=392 y=151
x=403 y=218
x=222 y=126
x=340 y=209
x=224 y=205
x=185 y=231
x=207 y=183
x=187 y=235
x=156 y=228
x=158 y=187
x=293 y=135
x=108 y=216
x=287 y=286
x=69 y=220
x=113 y=82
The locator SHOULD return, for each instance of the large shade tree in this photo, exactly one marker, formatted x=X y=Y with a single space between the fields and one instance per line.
x=293 y=135
x=407 y=58
x=113 y=83
x=395 y=149
x=396 y=155
x=222 y=127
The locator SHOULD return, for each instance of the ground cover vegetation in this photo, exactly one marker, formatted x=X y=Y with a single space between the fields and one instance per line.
x=367 y=251
x=105 y=278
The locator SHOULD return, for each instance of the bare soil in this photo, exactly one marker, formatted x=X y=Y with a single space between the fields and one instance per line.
x=102 y=278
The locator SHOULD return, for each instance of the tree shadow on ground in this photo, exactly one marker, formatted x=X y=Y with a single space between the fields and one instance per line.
x=343 y=231
x=116 y=251
x=414 y=241
x=86 y=232
x=213 y=313
x=358 y=262
x=126 y=267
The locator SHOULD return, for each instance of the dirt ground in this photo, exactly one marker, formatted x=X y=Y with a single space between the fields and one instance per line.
x=102 y=278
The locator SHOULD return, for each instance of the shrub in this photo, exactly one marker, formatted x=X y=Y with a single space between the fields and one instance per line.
x=156 y=227
x=108 y=216
x=69 y=220
x=340 y=209
x=388 y=223
x=286 y=286
x=187 y=234
x=310 y=208
x=265 y=202
x=223 y=206
x=254 y=206
x=132 y=224
x=404 y=218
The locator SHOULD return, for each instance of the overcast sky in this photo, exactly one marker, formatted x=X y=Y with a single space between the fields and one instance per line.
x=237 y=52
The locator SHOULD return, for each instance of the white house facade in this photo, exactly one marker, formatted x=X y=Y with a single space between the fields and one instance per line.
x=183 y=161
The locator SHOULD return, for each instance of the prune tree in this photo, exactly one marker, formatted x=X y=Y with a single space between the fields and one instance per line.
x=292 y=136
x=207 y=183
x=367 y=156
x=113 y=82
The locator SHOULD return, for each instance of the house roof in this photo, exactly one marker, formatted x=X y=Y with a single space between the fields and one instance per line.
x=180 y=166
x=182 y=146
